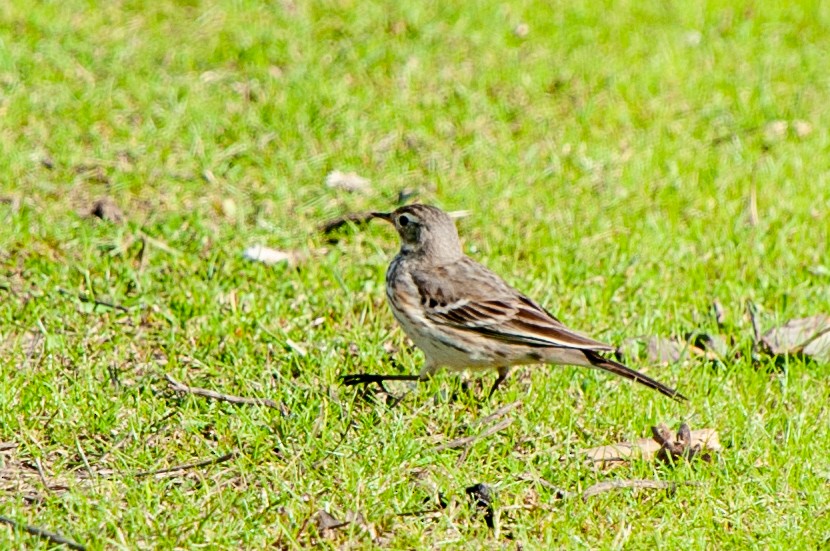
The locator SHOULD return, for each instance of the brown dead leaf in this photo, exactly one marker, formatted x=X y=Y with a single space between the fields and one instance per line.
x=665 y=351
x=658 y=350
x=809 y=337
x=647 y=448
x=712 y=345
x=13 y=202
x=327 y=524
x=676 y=447
x=106 y=208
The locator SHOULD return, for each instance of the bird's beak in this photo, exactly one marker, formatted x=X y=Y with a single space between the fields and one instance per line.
x=383 y=216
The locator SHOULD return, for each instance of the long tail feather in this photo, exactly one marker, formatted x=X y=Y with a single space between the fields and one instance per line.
x=628 y=373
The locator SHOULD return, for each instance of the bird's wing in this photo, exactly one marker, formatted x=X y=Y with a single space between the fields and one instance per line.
x=465 y=295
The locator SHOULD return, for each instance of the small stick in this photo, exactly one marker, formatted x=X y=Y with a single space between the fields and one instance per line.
x=205 y=393
x=84 y=459
x=57 y=539
x=609 y=485
x=150 y=240
x=717 y=309
x=752 y=311
x=337 y=223
x=90 y=300
x=187 y=466
x=42 y=475
x=501 y=412
x=467 y=440
x=528 y=477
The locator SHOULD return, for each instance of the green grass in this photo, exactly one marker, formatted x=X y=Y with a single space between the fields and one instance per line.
x=608 y=158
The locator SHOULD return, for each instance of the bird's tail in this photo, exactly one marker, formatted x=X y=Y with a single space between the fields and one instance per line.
x=619 y=369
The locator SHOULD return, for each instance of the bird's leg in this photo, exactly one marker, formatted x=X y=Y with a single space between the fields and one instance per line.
x=503 y=372
x=367 y=378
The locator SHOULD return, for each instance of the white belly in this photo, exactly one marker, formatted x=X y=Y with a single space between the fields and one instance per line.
x=441 y=348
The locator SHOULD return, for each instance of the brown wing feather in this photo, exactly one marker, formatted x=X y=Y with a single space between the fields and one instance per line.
x=473 y=298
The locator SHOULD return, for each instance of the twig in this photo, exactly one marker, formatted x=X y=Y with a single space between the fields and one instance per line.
x=42 y=475
x=205 y=393
x=501 y=412
x=84 y=459
x=467 y=440
x=717 y=309
x=41 y=533
x=753 y=313
x=91 y=300
x=35 y=342
x=337 y=223
x=188 y=466
x=150 y=240
x=559 y=493
x=420 y=513
x=609 y=485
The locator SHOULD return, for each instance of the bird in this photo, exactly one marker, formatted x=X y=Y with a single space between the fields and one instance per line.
x=463 y=316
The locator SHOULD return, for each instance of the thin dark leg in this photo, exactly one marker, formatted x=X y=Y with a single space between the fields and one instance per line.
x=367 y=378
x=503 y=371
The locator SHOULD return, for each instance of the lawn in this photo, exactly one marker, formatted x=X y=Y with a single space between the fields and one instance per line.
x=627 y=164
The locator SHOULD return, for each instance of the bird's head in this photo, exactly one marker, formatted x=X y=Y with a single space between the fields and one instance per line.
x=425 y=231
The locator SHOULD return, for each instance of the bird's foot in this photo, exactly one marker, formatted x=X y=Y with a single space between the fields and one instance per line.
x=371 y=378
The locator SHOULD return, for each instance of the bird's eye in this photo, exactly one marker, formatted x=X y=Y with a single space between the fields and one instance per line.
x=404 y=220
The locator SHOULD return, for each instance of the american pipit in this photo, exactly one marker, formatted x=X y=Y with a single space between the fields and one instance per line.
x=463 y=316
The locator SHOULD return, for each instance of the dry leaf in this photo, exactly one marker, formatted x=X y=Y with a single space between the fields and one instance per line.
x=802 y=128
x=347 y=181
x=713 y=346
x=326 y=524
x=776 y=129
x=657 y=349
x=647 y=448
x=664 y=351
x=674 y=448
x=267 y=255
x=805 y=336
x=105 y=208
